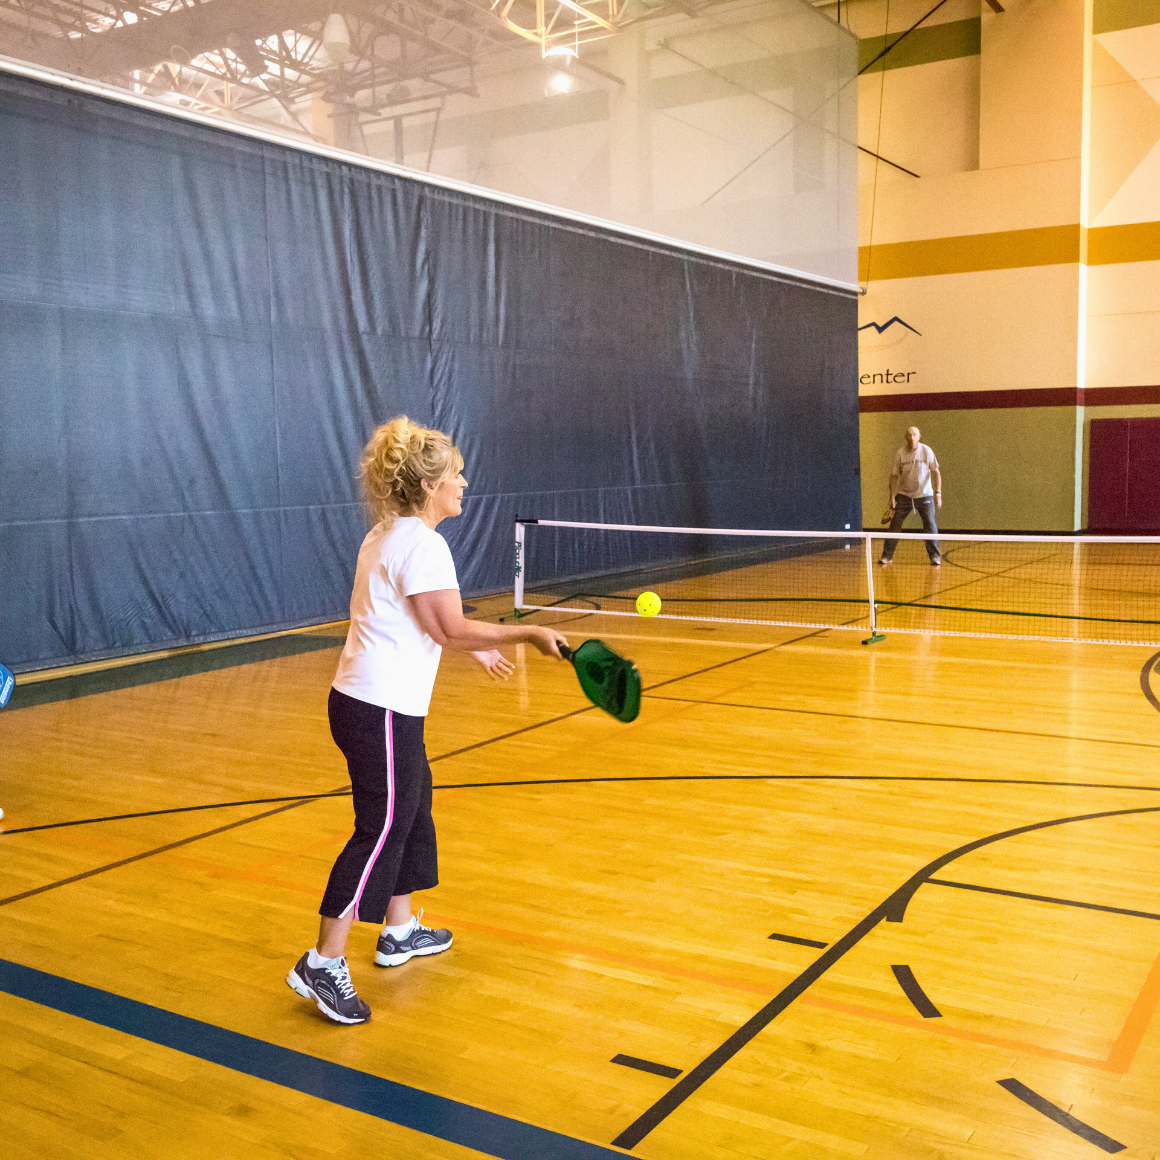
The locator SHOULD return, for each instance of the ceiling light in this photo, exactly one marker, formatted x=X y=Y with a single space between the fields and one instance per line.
x=561 y=55
x=336 y=38
x=559 y=83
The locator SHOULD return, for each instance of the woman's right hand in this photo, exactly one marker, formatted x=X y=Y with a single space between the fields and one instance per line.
x=544 y=640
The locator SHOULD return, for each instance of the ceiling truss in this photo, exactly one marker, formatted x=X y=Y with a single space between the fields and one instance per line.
x=265 y=59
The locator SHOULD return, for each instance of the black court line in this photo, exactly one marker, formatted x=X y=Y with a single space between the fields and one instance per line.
x=1146 y=682
x=803 y=777
x=299 y=798
x=1043 y=898
x=925 y=724
x=801 y=942
x=148 y=853
x=893 y=909
x=647 y=1065
x=513 y=733
x=1064 y=1119
x=915 y=993
x=302 y=799
x=421 y=1111
x=130 y=676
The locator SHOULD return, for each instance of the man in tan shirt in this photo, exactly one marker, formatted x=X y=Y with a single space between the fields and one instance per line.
x=915 y=485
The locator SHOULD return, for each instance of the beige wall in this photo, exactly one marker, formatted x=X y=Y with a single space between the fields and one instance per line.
x=1026 y=252
x=997 y=450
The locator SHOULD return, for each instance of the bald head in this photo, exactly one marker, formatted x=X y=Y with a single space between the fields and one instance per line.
x=913 y=435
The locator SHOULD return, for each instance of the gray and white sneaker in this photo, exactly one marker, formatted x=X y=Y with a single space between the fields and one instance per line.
x=330 y=987
x=421 y=941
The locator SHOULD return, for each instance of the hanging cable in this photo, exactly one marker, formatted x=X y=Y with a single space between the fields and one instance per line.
x=878 y=144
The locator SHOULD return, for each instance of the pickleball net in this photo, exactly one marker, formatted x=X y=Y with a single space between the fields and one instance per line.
x=1097 y=589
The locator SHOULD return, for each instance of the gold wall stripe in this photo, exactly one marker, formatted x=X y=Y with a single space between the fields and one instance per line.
x=1138 y=242
x=923 y=46
x=1005 y=250
x=1010 y=250
x=1115 y=15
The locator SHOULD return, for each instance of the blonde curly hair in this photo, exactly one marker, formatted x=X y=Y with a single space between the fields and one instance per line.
x=397 y=459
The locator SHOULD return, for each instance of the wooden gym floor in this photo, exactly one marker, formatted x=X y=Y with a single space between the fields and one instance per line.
x=820 y=901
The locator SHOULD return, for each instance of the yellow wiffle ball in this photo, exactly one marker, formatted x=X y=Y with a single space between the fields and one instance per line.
x=648 y=604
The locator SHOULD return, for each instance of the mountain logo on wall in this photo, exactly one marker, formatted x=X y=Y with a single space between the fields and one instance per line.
x=887 y=325
x=881 y=336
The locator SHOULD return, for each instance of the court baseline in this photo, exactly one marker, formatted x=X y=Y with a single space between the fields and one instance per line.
x=421 y=1111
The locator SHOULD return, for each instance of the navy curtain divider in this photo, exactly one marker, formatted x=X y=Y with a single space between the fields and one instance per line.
x=199 y=331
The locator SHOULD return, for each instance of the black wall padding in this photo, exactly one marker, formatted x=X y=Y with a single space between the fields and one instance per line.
x=199 y=331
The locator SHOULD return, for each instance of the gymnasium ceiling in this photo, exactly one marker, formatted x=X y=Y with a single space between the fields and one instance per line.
x=267 y=60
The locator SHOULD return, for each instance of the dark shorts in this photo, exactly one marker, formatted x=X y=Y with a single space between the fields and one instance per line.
x=393 y=849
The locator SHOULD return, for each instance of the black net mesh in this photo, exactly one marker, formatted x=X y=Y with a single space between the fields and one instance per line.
x=1078 y=589
x=709 y=575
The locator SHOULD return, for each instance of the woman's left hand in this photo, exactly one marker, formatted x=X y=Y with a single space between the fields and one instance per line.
x=498 y=667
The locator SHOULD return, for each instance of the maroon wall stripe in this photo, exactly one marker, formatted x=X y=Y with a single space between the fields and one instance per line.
x=1119 y=396
x=990 y=400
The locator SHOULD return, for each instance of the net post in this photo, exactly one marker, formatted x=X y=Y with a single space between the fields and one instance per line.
x=518 y=588
x=875 y=636
x=518 y=612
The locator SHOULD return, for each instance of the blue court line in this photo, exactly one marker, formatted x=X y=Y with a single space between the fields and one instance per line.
x=409 y=1107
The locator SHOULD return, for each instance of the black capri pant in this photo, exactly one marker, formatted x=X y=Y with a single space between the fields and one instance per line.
x=393 y=849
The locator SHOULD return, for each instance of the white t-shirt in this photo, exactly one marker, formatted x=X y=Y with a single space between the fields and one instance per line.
x=388 y=660
x=913 y=470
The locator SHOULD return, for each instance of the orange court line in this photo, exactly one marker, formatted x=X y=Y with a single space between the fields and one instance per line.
x=954 y=1032
x=331 y=839
x=607 y=956
x=1132 y=1034
x=1119 y=1060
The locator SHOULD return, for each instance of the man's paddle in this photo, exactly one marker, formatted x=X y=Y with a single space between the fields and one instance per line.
x=611 y=682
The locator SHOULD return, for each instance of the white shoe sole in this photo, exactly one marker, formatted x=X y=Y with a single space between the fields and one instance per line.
x=398 y=960
x=296 y=983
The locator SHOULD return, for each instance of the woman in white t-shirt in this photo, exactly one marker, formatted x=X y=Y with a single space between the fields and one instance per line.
x=404 y=608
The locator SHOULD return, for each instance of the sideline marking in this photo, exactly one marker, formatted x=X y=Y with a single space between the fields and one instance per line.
x=1085 y=1131
x=409 y=1107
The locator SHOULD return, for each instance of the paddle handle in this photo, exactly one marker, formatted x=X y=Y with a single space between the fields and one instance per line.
x=565 y=651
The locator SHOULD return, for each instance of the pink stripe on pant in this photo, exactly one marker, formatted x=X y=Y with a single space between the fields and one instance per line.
x=362 y=882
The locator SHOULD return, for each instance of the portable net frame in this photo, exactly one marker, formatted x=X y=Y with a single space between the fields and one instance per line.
x=1083 y=589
